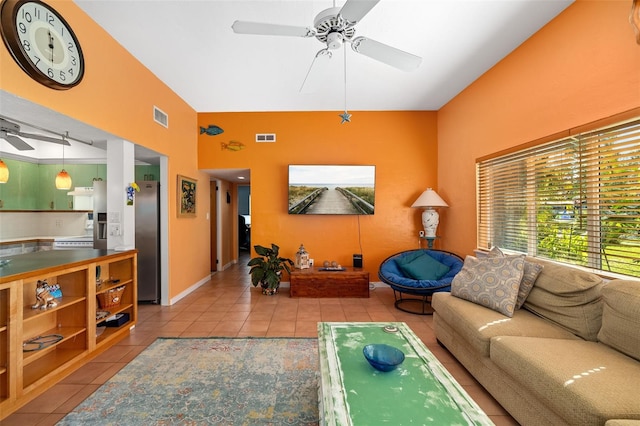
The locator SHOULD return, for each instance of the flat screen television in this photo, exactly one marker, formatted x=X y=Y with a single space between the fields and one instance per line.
x=332 y=189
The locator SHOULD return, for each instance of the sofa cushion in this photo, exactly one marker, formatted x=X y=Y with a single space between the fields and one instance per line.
x=492 y=282
x=621 y=317
x=422 y=267
x=529 y=276
x=478 y=324
x=595 y=384
x=569 y=297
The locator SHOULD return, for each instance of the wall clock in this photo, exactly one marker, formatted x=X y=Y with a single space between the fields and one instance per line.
x=42 y=43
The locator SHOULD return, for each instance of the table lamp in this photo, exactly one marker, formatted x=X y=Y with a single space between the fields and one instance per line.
x=430 y=218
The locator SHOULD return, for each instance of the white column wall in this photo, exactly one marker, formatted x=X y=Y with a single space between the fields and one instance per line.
x=120 y=173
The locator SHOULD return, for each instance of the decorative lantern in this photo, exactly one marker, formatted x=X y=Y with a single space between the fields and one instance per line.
x=302 y=258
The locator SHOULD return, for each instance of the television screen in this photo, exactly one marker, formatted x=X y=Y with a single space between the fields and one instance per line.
x=331 y=189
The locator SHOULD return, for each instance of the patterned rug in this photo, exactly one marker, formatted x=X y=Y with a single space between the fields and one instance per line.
x=210 y=381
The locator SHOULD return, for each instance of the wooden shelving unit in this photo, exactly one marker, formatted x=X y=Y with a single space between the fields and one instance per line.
x=28 y=371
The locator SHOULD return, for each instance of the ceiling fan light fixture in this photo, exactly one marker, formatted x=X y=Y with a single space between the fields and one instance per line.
x=4 y=172
x=334 y=40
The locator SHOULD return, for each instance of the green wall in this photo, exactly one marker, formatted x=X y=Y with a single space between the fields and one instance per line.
x=32 y=186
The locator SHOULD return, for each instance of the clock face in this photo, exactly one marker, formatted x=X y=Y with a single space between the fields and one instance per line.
x=42 y=43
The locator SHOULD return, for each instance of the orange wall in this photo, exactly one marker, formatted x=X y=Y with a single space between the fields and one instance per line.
x=117 y=95
x=402 y=146
x=581 y=67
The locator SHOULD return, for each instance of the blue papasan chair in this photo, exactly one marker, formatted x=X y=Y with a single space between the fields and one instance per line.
x=414 y=278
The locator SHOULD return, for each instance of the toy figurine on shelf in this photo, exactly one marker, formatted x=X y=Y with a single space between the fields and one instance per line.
x=44 y=299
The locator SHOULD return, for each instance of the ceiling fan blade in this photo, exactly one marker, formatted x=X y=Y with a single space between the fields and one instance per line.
x=386 y=54
x=354 y=10
x=17 y=143
x=44 y=138
x=319 y=68
x=259 y=28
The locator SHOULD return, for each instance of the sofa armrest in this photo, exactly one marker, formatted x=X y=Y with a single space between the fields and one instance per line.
x=622 y=422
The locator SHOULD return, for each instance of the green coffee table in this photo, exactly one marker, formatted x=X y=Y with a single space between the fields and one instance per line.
x=420 y=391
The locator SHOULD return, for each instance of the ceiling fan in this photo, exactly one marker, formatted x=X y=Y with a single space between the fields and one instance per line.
x=334 y=27
x=10 y=131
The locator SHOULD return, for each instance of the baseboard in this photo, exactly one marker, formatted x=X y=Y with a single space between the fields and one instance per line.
x=189 y=290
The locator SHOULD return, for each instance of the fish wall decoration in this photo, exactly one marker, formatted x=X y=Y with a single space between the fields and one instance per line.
x=232 y=146
x=211 y=130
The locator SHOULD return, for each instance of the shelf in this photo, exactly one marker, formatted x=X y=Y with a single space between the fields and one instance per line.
x=38 y=370
x=111 y=331
x=112 y=311
x=67 y=334
x=108 y=285
x=64 y=302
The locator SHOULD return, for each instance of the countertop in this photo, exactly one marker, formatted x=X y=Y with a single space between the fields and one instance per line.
x=30 y=264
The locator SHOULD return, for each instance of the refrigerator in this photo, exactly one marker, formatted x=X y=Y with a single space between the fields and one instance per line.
x=147 y=204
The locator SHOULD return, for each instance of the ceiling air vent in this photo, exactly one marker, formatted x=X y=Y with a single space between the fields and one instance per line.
x=265 y=137
x=160 y=117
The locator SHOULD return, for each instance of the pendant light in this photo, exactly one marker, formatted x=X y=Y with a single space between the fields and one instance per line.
x=4 y=172
x=63 y=180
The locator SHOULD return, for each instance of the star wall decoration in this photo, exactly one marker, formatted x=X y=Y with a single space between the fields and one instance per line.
x=346 y=117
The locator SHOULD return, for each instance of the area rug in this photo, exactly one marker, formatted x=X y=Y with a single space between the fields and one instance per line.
x=210 y=381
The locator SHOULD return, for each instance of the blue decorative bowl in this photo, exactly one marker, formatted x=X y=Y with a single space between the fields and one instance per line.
x=383 y=357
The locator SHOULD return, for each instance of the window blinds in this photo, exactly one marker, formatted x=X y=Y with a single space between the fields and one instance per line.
x=574 y=200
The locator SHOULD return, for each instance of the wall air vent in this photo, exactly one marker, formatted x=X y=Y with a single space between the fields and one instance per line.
x=160 y=117
x=265 y=137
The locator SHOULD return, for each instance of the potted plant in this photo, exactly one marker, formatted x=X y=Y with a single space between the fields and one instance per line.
x=266 y=269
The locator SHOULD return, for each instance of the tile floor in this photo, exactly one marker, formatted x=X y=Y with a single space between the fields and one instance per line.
x=229 y=306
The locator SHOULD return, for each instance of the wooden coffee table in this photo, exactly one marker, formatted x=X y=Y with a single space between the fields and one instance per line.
x=420 y=391
x=315 y=282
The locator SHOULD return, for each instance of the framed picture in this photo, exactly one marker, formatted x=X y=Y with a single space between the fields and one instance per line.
x=186 y=196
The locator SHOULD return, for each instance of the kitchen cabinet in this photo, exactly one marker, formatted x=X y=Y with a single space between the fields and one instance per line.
x=40 y=346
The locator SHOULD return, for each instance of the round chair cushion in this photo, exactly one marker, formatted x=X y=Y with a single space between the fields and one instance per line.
x=391 y=273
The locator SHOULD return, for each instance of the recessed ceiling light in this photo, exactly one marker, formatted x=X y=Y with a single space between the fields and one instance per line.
x=241 y=177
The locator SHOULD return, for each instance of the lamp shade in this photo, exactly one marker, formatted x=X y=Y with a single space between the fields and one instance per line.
x=4 y=172
x=63 y=180
x=429 y=198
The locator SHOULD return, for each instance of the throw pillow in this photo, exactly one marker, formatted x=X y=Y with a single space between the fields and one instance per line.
x=424 y=267
x=529 y=276
x=492 y=282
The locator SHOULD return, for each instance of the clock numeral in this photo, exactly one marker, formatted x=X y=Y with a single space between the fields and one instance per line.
x=36 y=12
x=26 y=45
x=50 y=19
x=27 y=16
x=50 y=72
x=71 y=71
x=36 y=60
x=70 y=46
x=74 y=61
x=63 y=76
x=22 y=28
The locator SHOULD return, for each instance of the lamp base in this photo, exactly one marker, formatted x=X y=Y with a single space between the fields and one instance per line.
x=430 y=220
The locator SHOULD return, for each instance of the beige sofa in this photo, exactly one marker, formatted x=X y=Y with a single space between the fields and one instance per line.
x=569 y=356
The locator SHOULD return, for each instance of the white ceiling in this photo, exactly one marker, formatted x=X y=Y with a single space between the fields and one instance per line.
x=190 y=46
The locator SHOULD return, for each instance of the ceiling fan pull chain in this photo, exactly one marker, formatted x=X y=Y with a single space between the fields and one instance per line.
x=346 y=117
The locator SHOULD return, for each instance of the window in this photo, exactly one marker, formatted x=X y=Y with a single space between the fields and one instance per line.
x=574 y=200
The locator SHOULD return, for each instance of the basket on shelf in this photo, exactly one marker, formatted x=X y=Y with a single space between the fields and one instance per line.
x=110 y=298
